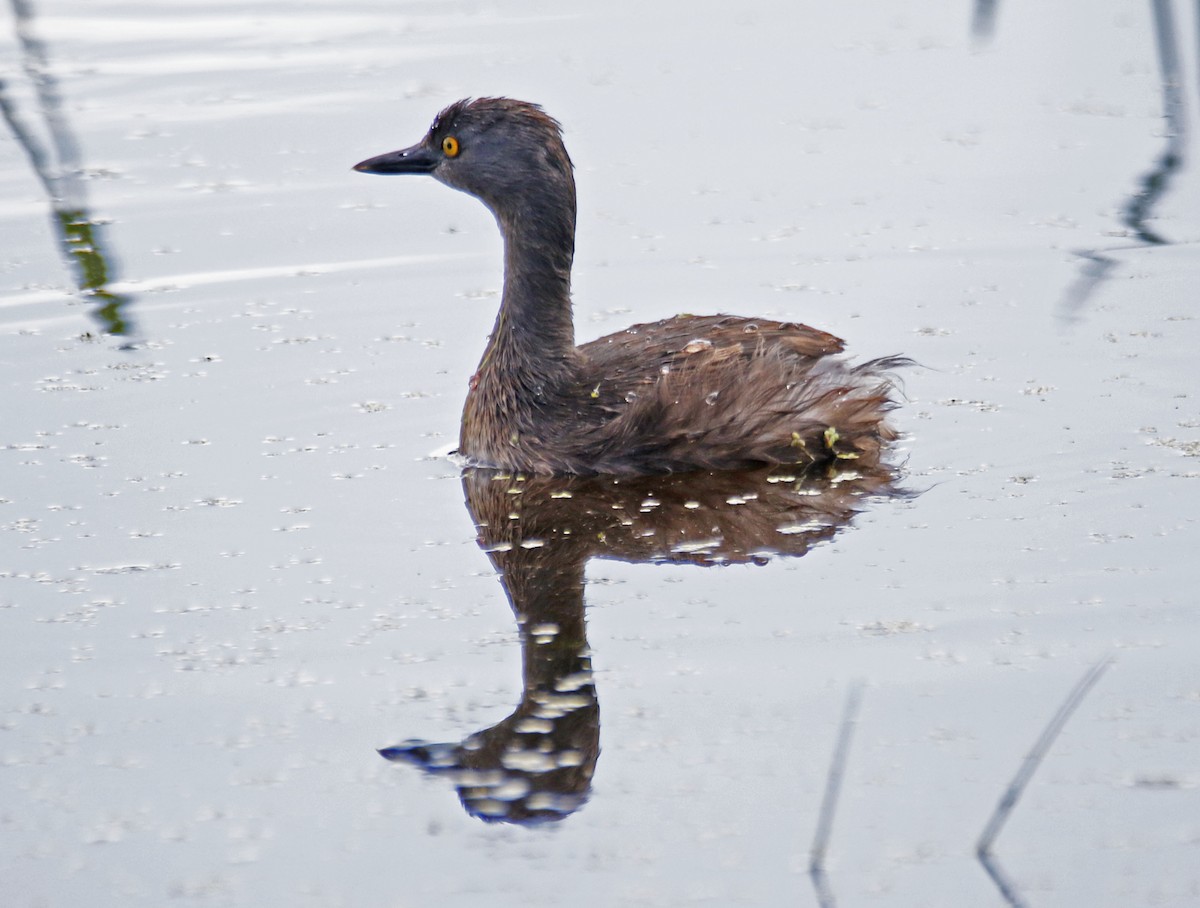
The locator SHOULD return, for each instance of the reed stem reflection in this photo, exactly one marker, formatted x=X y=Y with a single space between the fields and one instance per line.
x=1099 y=265
x=58 y=168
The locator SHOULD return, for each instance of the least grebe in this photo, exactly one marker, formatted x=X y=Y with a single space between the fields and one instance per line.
x=713 y=392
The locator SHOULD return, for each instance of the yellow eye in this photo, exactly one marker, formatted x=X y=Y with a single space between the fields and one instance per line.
x=450 y=146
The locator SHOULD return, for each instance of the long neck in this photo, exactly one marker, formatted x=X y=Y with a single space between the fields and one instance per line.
x=529 y=374
x=534 y=336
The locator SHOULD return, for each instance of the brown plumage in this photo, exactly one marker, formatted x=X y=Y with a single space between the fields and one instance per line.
x=688 y=393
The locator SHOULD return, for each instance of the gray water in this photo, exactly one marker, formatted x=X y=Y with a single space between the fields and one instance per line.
x=234 y=564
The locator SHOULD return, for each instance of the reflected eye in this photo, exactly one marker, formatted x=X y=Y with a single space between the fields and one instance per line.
x=450 y=146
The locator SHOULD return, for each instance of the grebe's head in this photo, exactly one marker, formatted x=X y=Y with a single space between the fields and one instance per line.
x=506 y=153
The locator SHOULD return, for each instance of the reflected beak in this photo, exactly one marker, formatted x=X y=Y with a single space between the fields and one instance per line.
x=417 y=159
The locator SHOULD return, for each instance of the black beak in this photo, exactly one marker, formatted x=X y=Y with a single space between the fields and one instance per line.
x=417 y=159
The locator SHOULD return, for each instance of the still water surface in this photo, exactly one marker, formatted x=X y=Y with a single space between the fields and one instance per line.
x=232 y=565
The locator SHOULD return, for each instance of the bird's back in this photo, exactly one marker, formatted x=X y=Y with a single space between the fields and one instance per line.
x=724 y=392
